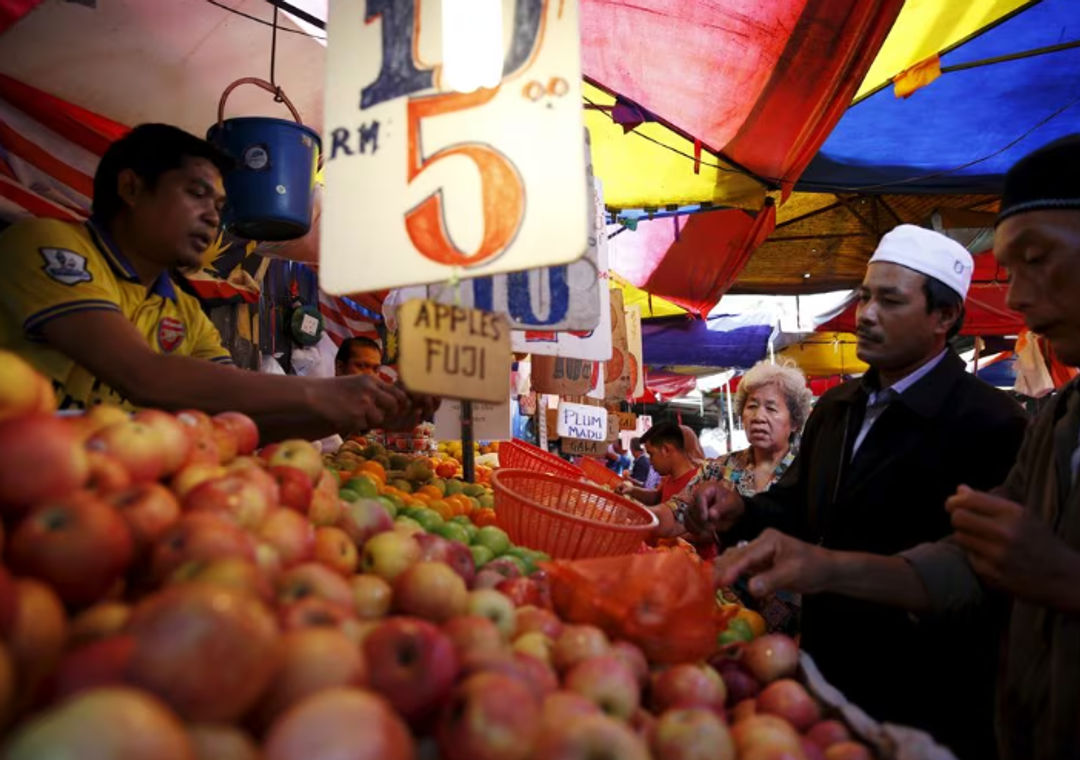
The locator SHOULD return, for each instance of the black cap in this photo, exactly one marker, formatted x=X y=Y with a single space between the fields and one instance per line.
x=1048 y=178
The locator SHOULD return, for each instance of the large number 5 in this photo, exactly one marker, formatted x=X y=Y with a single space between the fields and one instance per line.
x=502 y=192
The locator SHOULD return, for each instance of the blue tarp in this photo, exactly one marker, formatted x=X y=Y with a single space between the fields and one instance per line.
x=679 y=341
x=960 y=133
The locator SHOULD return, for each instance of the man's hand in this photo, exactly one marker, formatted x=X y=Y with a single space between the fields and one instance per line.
x=1014 y=551
x=362 y=402
x=715 y=507
x=775 y=562
x=624 y=488
x=420 y=408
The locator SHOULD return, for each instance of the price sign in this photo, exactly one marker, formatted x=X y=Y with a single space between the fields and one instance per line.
x=422 y=180
x=579 y=448
x=627 y=420
x=582 y=421
x=635 y=351
x=617 y=372
x=454 y=352
x=562 y=376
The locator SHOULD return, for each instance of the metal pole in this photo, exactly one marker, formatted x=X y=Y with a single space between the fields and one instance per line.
x=468 y=456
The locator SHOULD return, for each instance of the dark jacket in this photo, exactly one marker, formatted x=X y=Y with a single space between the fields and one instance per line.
x=947 y=429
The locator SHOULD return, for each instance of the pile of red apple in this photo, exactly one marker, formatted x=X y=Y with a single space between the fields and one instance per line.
x=166 y=592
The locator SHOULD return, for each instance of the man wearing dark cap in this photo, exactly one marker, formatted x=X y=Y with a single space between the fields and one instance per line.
x=1022 y=538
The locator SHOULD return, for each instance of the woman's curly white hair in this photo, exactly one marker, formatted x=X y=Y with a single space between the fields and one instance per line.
x=791 y=382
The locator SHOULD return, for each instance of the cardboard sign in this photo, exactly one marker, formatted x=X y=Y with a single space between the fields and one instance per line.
x=562 y=376
x=580 y=448
x=491 y=422
x=627 y=420
x=420 y=180
x=617 y=379
x=551 y=423
x=612 y=427
x=635 y=351
x=582 y=421
x=454 y=352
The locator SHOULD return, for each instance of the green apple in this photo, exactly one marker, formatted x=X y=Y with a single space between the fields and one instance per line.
x=473 y=489
x=407 y=524
x=363 y=485
x=440 y=484
x=525 y=555
x=487 y=500
x=347 y=494
x=429 y=519
x=523 y=566
x=481 y=555
x=453 y=531
x=454 y=486
x=389 y=504
x=493 y=538
x=402 y=485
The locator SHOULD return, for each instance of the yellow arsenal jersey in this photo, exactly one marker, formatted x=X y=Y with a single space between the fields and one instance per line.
x=50 y=269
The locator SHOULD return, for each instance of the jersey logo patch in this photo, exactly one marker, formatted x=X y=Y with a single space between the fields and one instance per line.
x=65 y=266
x=170 y=334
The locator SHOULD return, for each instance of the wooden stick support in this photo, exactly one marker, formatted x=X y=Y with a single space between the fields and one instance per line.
x=468 y=456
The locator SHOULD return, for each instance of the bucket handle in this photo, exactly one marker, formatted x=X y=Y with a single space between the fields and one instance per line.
x=276 y=91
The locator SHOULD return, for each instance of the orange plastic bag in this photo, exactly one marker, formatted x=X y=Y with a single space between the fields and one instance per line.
x=662 y=601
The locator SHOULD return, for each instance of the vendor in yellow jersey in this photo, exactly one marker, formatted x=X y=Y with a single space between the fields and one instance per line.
x=93 y=305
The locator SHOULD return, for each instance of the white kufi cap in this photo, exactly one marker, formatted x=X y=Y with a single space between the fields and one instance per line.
x=929 y=253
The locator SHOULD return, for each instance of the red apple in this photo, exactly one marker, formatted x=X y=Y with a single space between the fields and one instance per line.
x=219 y=741
x=770 y=657
x=810 y=750
x=243 y=428
x=91 y=666
x=291 y=535
x=335 y=549
x=412 y=663
x=532 y=618
x=559 y=707
x=312 y=579
x=758 y=733
x=194 y=474
x=364 y=518
x=107 y=475
x=199 y=423
x=435 y=548
x=326 y=506
x=313 y=659
x=590 y=737
x=37 y=636
x=22 y=389
x=79 y=545
x=340 y=723
x=234 y=496
x=126 y=724
x=740 y=684
x=692 y=733
x=41 y=458
x=487 y=578
x=505 y=567
x=578 y=643
x=314 y=612
x=208 y=651
x=175 y=437
x=473 y=635
x=632 y=655
x=521 y=591
x=236 y=573
x=149 y=509
x=102 y=620
x=295 y=487
x=372 y=596
x=787 y=699
x=828 y=732
x=489 y=717
x=609 y=682
x=644 y=724
x=389 y=554
x=252 y=469
x=139 y=447
x=99 y=417
x=534 y=644
x=200 y=536
x=848 y=751
x=431 y=590
x=225 y=440
x=743 y=709
x=688 y=685
x=204 y=450
x=300 y=454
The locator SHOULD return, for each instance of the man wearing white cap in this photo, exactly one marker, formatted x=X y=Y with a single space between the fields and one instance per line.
x=879 y=457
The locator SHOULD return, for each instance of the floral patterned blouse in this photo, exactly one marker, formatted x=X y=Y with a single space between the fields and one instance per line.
x=738 y=469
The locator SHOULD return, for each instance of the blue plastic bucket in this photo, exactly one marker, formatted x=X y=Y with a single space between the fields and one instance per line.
x=269 y=193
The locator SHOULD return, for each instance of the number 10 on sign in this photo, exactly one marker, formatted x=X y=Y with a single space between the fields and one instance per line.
x=422 y=180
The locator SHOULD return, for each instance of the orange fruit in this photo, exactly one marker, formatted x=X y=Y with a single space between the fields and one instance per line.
x=753 y=619
x=444 y=509
x=431 y=491
x=482 y=517
x=375 y=468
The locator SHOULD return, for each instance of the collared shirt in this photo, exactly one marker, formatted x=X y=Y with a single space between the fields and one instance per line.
x=54 y=269
x=879 y=400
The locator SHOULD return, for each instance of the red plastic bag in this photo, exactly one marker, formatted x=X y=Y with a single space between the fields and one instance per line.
x=662 y=601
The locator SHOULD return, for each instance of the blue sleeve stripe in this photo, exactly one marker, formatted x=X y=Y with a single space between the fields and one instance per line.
x=32 y=324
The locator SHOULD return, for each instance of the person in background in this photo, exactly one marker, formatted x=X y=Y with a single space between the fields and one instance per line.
x=1022 y=538
x=358 y=356
x=692 y=445
x=617 y=459
x=642 y=472
x=665 y=443
x=94 y=307
x=773 y=403
x=877 y=460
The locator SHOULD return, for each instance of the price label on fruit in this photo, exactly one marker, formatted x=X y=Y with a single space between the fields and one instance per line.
x=454 y=352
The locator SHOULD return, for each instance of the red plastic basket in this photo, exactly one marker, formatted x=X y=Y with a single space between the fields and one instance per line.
x=598 y=473
x=567 y=519
x=518 y=455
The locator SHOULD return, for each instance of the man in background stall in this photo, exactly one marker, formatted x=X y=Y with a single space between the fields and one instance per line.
x=358 y=356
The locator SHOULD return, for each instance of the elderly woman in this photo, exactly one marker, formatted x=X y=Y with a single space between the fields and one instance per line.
x=773 y=403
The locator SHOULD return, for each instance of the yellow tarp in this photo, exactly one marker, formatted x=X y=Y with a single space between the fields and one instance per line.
x=826 y=354
x=928 y=27
x=653 y=306
x=638 y=173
